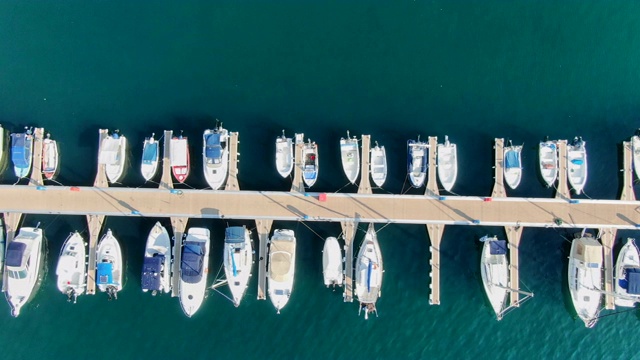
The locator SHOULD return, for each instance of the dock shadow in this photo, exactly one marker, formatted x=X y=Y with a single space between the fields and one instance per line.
x=210 y=213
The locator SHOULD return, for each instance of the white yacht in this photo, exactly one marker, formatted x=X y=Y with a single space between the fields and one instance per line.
x=23 y=264
x=310 y=165
x=548 y=153
x=284 y=155
x=150 y=157
x=585 y=278
x=282 y=265
x=194 y=267
x=635 y=147
x=447 y=164
x=417 y=161
x=577 y=164
x=378 y=165
x=71 y=270
x=512 y=165
x=113 y=152
x=156 y=267
x=350 y=156
x=494 y=268
x=50 y=157
x=238 y=261
x=332 y=265
x=627 y=275
x=22 y=152
x=179 y=157
x=369 y=270
x=215 y=156
x=109 y=265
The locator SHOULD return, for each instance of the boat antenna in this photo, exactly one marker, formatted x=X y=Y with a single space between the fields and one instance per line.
x=376 y=143
x=181 y=131
x=418 y=137
x=283 y=134
x=348 y=136
x=38 y=225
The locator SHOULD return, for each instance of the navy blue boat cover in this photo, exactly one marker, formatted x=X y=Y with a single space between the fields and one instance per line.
x=149 y=153
x=234 y=234
x=512 y=160
x=633 y=281
x=213 y=149
x=192 y=261
x=105 y=273
x=498 y=247
x=151 y=269
x=18 y=153
x=15 y=251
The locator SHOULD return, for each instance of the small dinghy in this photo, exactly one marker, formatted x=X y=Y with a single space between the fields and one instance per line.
x=150 y=158
x=447 y=164
x=50 y=157
x=369 y=270
x=113 y=155
x=332 y=266
x=512 y=165
x=71 y=270
x=282 y=266
x=109 y=265
x=350 y=156
x=417 y=161
x=627 y=275
x=22 y=152
x=238 y=261
x=310 y=166
x=179 y=158
x=548 y=153
x=284 y=155
x=378 y=165
x=156 y=268
x=577 y=164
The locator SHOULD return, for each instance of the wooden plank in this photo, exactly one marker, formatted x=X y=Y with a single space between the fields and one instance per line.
x=348 y=233
x=95 y=226
x=608 y=239
x=263 y=227
x=232 y=177
x=563 y=191
x=514 y=234
x=297 y=185
x=627 y=170
x=365 y=185
x=432 y=178
x=435 y=235
x=166 y=182
x=179 y=226
x=498 y=186
x=36 y=166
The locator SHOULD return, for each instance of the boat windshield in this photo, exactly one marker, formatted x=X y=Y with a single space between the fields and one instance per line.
x=149 y=153
x=213 y=150
x=18 y=274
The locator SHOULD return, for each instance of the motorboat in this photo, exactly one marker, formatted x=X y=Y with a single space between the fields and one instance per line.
x=447 y=164
x=215 y=156
x=417 y=161
x=282 y=265
x=627 y=275
x=179 y=158
x=150 y=157
x=350 y=156
x=2 y=245
x=22 y=152
x=494 y=268
x=24 y=262
x=71 y=270
x=50 y=159
x=156 y=267
x=113 y=152
x=332 y=264
x=369 y=270
x=577 y=164
x=109 y=265
x=194 y=267
x=548 y=153
x=635 y=147
x=512 y=165
x=3 y=143
x=378 y=165
x=284 y=155
x=310 y=165
x=238 y=261
x=585 y=278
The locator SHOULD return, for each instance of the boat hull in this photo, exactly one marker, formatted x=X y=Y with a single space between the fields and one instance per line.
x=548 y=154
x=284 y=156
x=238 y=261
x=281 y=272
x=628 y=260
x=577 y=166
x=150 y=158
x=512 y=166
x=447 y=164
x=179 y=158
x=20 y=288
x=71 y=270
x=417 y=162
x=311 y=168
x=113 y=156
x=109 y=251
x=494 y=269
x=159 y=244
x=635 y=147
x=378 y=165
x=369 y=269
x=350 y=156
x=332 y=265
x=585 y=280
x=192 y=294
x=50 y=158
x=22 y=154
x=216 y=169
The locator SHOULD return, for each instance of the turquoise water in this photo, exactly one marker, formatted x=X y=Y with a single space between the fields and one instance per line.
x=473 y=70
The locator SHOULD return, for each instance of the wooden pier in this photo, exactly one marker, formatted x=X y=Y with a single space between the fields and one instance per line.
x=514 y=233
x=562 y=191
x=297 y=185
x=498 y=186
x=608 y=239
x=349 y=229
x=232 y=177
x=432 y=176
x=36 y=167
x=365 y=183
x=627 y=172
x=435 y=235
x=263 y=227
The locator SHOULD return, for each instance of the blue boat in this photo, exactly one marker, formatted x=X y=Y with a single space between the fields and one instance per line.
x=22 y=153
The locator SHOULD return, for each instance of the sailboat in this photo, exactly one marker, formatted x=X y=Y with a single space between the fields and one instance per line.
x=548 y=153
x=447 y=163
x=635 y=146
x=282 y=266
x=150 y=157
x=215 y=156
x=378 y=165
x=332 y=266
x=109 y=265
x=417 y=161
x=194 y=267
x=50 y=157
x=113 y=155
x=310 y=166
x=627 y=275
x=23 y=264
x=284 y=155
x=369 y=270
x=350 y=156
x=585 y=278
x=238 y=260
x=22 y=152
x=156 y=267
x=494 y=268
x=577 y=164
x=71 y=270
x=512 y=165
x=179 y=158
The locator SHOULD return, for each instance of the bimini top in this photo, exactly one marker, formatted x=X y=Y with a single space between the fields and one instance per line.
x=213 y=149
x=513 y=159
x=151 y=272
x=16 y=254
x=18 y=154
x=149 y=153
x=631 y=282
x=234 y=235
x=589 y=251
x=105 y=273
x=192 y=262
x=498 y=247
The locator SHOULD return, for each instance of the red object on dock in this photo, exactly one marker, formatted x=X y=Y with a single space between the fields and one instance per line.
x=75 y=188
x=322 y=197
x=487 y=199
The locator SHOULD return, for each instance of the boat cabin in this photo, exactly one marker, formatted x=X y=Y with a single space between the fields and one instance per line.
x=152 y=269
x=191 y=265
x=17 y=260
